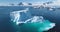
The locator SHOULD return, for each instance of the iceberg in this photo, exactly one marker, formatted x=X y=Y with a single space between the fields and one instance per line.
x=30 y=23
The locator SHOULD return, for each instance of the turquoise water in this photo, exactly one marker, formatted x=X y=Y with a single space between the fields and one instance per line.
x=5 y=23
x=33 y=27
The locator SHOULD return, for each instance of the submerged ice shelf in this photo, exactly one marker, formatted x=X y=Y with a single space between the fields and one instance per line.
x=37 y=23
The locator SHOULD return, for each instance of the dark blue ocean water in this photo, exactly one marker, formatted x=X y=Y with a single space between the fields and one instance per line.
x=6 y=25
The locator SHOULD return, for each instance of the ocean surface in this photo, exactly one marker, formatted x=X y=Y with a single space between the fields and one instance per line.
x=7 y=26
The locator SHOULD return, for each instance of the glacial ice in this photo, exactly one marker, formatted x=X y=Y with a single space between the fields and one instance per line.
x=24 y=16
